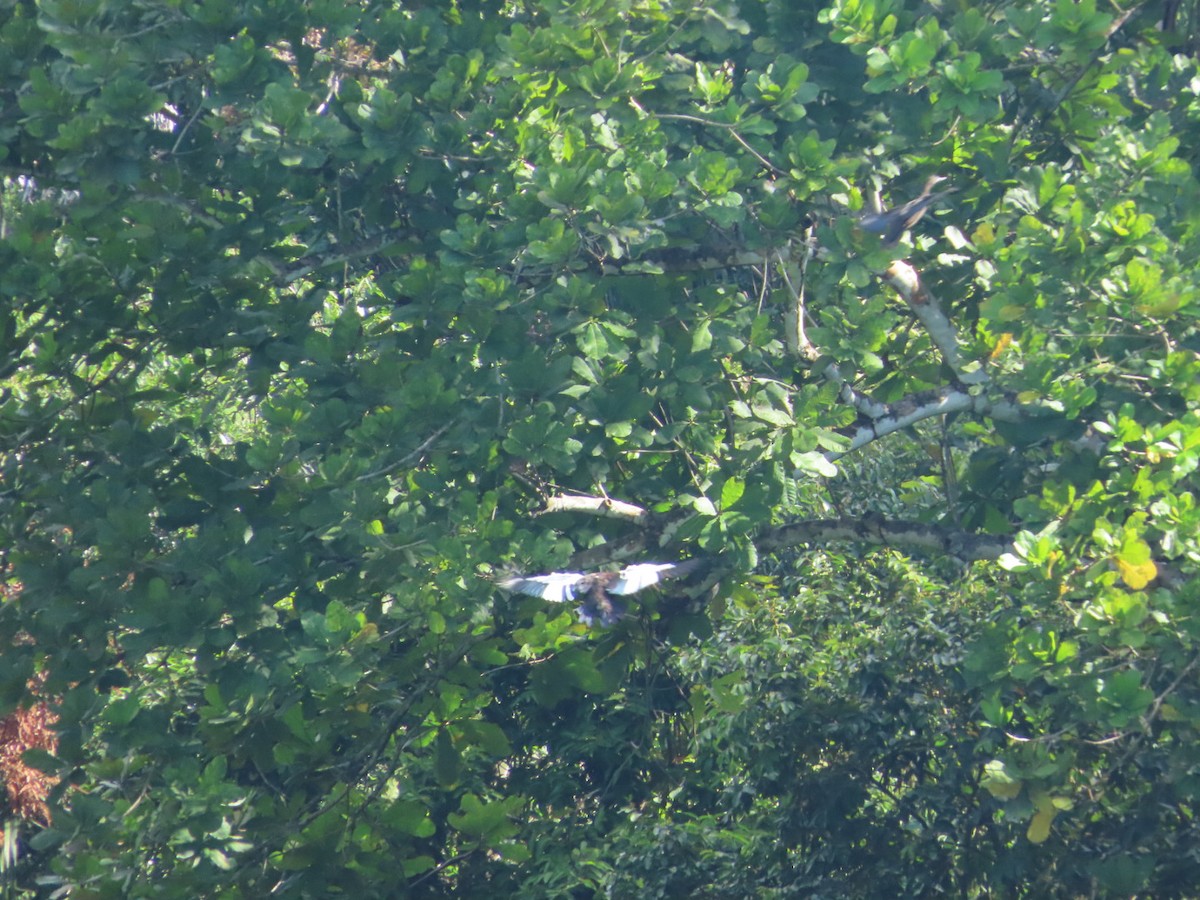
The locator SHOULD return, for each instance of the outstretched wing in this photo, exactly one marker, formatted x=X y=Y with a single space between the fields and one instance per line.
x=644 y=575
x=562 y=587
x=557 y=586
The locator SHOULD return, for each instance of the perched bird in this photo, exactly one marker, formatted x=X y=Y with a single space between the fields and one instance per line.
x=594 y=589
x=892 y=224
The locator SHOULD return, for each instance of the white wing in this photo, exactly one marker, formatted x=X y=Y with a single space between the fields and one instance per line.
x=557 y=586
x=643 y=575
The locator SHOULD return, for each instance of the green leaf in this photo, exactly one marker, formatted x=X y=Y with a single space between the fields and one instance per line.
x=814 y=463
x=998 y=782
x=593 y=342
x=489 y=821
x=731 y=492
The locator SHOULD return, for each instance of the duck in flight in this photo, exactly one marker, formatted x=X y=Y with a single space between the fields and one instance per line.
x=596 y=589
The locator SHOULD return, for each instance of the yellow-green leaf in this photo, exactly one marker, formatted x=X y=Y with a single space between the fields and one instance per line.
x=1137 y=575
x=1039 y=827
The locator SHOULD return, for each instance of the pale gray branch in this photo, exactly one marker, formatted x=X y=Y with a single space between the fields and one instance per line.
x=597 y=506
x=889 y=418
x=907 y=282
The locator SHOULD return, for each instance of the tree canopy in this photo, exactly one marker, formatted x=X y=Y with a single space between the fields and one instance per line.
x=322 y=318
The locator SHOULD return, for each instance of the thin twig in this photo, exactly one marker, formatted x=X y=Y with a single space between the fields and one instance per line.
x=408 y=457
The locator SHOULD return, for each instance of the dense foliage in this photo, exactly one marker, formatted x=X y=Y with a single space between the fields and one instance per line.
x=321 y=316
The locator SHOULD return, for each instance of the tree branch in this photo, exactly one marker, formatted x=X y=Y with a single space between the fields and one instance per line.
x=907 y=282
x=892 y=417
x=597 y=506
x=797 y=336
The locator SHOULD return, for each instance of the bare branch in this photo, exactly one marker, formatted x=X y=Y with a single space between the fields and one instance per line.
x=732 y=129
x=597 y=506
x=907 y=281
x=892 y=417
x=409 y=457
x=794 y=274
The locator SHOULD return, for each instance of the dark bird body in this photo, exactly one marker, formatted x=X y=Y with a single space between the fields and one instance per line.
x=596 y=589
x=891 y=225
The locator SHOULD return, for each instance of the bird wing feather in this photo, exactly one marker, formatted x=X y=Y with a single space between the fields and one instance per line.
x=557 y=586
x=643 y=575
